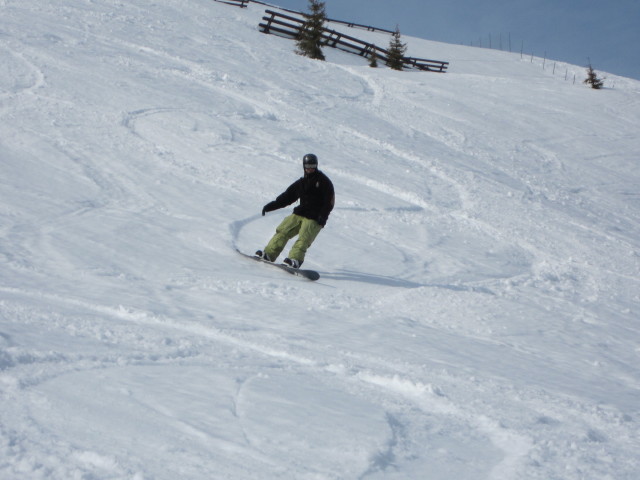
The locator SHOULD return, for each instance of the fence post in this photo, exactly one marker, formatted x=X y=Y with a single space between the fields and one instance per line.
x=266 y=30
x=368 y=50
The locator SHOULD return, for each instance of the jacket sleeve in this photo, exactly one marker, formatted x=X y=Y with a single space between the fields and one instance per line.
x=329 y=199
x=286 y=198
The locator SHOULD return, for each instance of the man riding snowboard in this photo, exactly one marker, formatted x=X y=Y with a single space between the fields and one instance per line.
x=316 y=195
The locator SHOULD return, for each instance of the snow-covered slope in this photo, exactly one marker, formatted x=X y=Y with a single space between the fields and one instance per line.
x=477 y=315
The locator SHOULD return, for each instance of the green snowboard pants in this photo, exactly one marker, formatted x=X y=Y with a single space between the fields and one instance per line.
x=307 y=231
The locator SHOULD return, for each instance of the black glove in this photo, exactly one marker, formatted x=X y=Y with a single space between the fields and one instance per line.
x=269 y=207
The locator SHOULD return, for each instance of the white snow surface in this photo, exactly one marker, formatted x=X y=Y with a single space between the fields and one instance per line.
x=477 y=312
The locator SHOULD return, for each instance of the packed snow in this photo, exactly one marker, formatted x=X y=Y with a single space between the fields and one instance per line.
x=477 y=312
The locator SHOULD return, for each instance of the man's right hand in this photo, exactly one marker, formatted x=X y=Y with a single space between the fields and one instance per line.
x=269 y=207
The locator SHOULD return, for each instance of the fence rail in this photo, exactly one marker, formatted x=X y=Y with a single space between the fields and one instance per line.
x=290 y=27
x=237 y=3
x=357 y=25
x=243 y=4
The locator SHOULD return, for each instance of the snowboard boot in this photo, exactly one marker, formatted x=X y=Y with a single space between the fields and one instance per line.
x=292 y=262
x=262 y=255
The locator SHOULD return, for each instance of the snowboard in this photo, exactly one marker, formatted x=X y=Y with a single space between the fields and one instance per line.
x=300 y=272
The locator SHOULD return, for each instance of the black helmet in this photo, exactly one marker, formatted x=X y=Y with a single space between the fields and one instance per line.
x=310 y=161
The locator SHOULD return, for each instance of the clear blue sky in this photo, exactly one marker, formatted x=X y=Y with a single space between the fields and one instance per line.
x=607 y=33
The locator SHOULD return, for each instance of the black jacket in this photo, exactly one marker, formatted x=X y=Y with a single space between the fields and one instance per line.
x=316 y=195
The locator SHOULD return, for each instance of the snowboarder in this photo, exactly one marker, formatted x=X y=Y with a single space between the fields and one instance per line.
x=316 y=195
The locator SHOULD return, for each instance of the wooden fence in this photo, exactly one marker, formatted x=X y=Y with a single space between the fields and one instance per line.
x=243 y=4
x=290 y=27
x=237 y=3
x=357 y=25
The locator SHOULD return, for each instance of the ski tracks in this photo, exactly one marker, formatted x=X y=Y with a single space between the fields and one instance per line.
x=19 y=76
x=393 y=392
x=421 y=412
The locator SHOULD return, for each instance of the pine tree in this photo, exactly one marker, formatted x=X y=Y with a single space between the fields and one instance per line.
x=592 y=79
x=310 y=39
x=397 y=50
x=373 y=57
